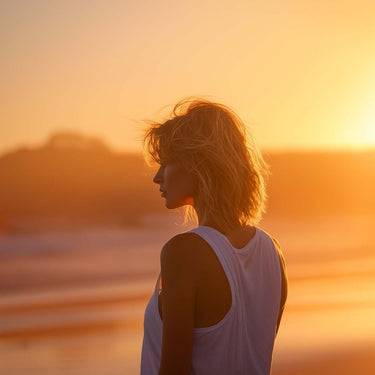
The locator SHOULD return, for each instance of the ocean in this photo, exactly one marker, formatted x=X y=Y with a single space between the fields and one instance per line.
x=73 y=302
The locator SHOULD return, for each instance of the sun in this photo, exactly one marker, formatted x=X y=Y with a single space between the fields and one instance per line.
x=362 y=123
x=366 y=128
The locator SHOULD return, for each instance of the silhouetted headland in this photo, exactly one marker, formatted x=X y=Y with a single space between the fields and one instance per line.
x=79 y=178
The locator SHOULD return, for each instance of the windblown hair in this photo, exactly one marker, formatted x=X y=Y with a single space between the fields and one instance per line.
x=209 y=140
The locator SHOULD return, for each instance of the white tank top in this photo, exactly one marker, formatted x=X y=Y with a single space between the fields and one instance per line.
x=242 y=342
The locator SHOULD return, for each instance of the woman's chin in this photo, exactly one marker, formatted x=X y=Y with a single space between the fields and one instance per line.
x=170 y=205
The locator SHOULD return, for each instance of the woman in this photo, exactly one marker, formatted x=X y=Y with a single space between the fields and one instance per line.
x=222 y=288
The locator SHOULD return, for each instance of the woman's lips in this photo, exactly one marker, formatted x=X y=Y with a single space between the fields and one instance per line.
x=162 y=193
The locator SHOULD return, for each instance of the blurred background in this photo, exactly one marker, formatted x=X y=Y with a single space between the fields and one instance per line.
x=81 y=224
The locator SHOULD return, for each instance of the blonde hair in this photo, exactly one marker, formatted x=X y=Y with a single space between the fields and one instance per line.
x=209 y=140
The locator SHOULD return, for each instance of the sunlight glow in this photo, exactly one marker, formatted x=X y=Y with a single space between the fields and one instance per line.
x=366 y=124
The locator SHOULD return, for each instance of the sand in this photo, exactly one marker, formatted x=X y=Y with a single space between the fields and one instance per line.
x=73 y=304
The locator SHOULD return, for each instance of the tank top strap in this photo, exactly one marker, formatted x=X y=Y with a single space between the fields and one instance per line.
x=219 y=244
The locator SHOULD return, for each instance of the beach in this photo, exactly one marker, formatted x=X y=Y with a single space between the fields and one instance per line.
x=73 y=302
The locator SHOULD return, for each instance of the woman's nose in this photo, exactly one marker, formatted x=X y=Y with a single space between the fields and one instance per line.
x=158 y=177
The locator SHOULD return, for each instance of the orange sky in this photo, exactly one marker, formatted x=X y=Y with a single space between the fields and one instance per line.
x=300 y=73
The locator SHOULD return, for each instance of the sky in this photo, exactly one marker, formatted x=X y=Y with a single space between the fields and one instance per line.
x=301 y=74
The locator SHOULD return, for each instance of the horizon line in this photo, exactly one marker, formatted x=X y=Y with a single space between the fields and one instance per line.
x=137 y=148
x=265 y=150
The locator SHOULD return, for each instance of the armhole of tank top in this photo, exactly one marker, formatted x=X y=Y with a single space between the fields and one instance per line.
x=155 y=296
x=198 y=330
x=229 y=280
x=284 y=279
x=158 y=285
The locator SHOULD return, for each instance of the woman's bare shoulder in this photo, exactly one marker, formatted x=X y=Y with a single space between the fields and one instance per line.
x=187 y=247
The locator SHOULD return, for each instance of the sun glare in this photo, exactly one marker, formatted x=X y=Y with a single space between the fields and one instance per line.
x=369 y=130
x=366 y=127
x=361 y=123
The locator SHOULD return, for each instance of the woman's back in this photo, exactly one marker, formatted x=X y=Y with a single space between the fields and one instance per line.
x=235 y=328
x=213 y=298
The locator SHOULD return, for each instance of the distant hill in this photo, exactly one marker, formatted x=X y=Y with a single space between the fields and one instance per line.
x=76 y=176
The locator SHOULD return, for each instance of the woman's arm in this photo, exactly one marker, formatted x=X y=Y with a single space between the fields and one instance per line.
x=178 y=270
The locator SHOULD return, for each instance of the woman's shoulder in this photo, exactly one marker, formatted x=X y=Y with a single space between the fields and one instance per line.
x=184 y=257
x=185 y=244
x=187 y=247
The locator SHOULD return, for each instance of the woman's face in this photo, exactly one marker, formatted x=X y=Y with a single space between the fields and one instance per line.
x=176 y=184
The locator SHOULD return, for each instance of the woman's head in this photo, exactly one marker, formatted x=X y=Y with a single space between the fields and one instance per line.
x=208 y=142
